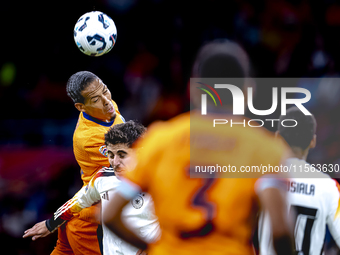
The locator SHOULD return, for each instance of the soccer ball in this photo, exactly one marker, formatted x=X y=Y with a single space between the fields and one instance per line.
x=95 y=33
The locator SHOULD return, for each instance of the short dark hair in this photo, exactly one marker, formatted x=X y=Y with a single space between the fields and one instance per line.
x=77 y=83
x=302 y=134
x=124 y=133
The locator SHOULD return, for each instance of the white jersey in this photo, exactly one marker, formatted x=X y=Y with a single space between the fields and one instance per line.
x=138 y=215
x=312 y=203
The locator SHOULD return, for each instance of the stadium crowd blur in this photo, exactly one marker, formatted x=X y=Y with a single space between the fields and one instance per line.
x=147 y=72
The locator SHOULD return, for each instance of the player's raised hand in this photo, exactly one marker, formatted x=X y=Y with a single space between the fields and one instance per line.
x=37 y=231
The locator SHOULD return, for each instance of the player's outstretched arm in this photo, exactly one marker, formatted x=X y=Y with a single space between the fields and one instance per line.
x=273 y=201
x=37 y=231
x=85 y=197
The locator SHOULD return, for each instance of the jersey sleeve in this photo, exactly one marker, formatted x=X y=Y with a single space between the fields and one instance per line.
x=87 y=196
x=333 y=217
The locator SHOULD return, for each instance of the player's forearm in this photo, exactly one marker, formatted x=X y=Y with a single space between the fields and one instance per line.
x=273 y=201
x=82 y=199
x=334 y=228
x=283 y=245
x=112 y=219
x=52 y=224
x=63 y=214
x=124 y=233
x=337 y=241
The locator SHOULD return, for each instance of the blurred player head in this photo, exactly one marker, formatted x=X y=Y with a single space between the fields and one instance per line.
x=302 y=137
x=221 y=58
x=119 y=140
x=91 y=95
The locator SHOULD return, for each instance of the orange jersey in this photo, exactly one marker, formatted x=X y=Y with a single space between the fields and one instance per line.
x=202 y=215
x=89 y=144
x=79 y=235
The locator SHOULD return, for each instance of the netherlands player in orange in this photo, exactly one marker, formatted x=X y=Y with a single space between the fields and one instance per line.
x=98 y=112
x=205 y=215
x=140 y=213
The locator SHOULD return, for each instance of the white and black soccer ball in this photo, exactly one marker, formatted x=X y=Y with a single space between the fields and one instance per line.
x=95 y=33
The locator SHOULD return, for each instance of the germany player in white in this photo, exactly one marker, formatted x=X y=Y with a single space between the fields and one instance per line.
x=313 y=197
x=138 y=215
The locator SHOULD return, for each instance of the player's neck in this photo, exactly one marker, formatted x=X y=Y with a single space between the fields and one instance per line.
x=299 y=153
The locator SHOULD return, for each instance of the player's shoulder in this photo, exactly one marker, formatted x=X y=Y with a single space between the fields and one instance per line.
x=170 y=129
x=325 y=184
x=321 y=180
x=177 y=123
x=320 y=176
x=89 y=132
x=330 y=184
x=105 y=172
x=263 y=143
x=105 y=179
x=330 y=188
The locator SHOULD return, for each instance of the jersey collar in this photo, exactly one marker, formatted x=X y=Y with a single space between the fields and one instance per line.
x=100 y=122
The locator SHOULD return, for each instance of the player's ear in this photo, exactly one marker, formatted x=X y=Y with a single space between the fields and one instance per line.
x=80 y=107
x=313 y=142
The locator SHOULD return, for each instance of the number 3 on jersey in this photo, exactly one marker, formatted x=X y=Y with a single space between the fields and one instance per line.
x=199 y=201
